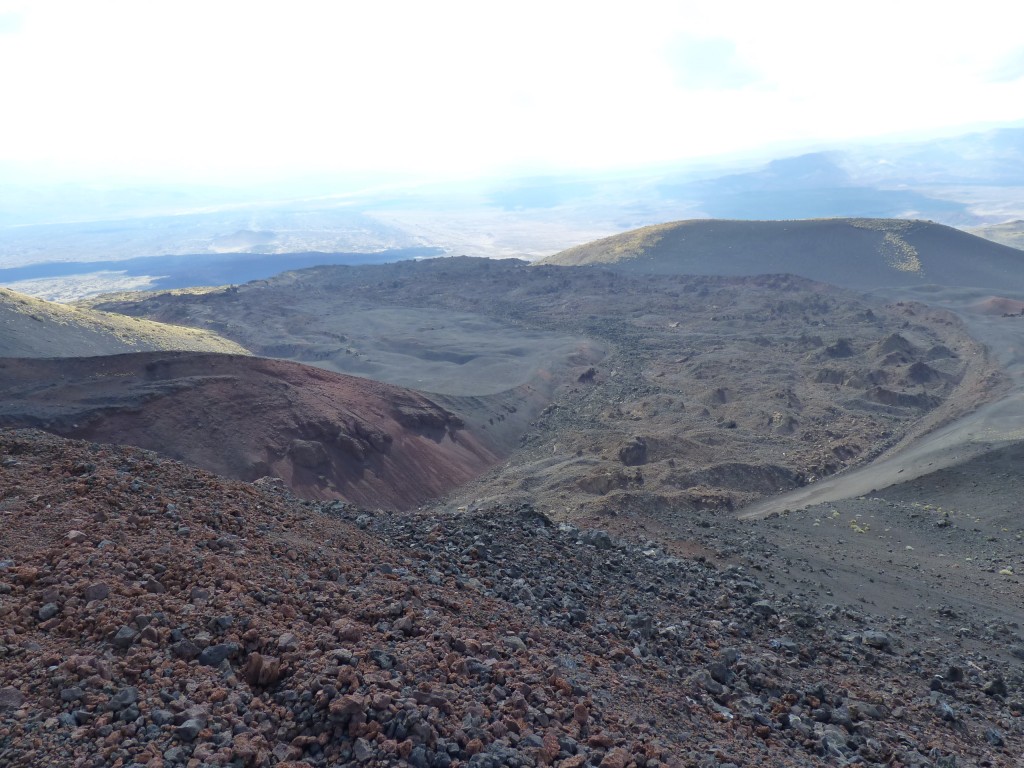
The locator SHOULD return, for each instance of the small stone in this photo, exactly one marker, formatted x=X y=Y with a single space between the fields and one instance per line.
x=198 y=593
x=176 y=755
x=76 y=537
x=617 y=758
x=188 y=730
x=404 y=625
x=418 y=757
x=221 y=623
x=875 y=639
x=11 y=698
x=154 y=587
x=125 y=637
x=261 y=670
x=347 y=631
x=362 y=751
x=597 y=539
x=215 y=654
x=721 y=673
x=581 y=713
x=123 y=698
x=383 y=659
x=287 y=642
x=995 y=687
x=515 y=643
x=98 y=591
x=161 y=716
x=48 y=611
x=347 y=705
x=185 y=649
x=71 y=694
x=994 y=737
x=945 y=712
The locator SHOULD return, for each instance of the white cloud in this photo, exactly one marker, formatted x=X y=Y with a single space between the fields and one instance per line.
x=227 y=90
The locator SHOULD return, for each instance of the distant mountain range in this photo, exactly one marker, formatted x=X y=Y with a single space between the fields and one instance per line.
x=71 y=237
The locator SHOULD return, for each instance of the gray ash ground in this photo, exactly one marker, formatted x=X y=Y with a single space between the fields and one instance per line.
x=735 y=387
x=152 y=614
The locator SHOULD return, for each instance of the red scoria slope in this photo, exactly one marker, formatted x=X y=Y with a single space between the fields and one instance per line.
x=325 y=434
x=153 y=614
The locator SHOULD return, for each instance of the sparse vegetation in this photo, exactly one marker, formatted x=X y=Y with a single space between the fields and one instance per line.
x=59 y=330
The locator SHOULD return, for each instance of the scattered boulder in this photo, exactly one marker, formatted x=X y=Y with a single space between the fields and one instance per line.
x=76 y=537
x=634 y=453
x=124 y=637
x=597 y=539
x=876 y=639
x=213 y=655
x=308 y=453
x=260 y=670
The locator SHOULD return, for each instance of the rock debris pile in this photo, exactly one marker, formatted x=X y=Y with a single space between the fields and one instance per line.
x=152 y=614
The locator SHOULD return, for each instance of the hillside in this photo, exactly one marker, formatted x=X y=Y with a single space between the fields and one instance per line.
x=158 y=615
x=1009 y=233
x=326 y=435
x=31 y=327
x=657 y=394
x=852 y=253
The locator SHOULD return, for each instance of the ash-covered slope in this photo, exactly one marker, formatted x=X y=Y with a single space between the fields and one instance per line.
x=31 y=327
x=657 y=392
x=327 y=435
x=159 y=615
x=852 y=253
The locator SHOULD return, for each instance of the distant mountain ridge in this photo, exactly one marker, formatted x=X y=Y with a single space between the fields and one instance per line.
x=852 y=253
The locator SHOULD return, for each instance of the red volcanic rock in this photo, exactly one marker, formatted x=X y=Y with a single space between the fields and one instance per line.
x=262 y=670
x=327 y=435
x=279 y=645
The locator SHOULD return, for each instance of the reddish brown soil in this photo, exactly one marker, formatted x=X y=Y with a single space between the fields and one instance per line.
x=155 y=614
x=327 y=435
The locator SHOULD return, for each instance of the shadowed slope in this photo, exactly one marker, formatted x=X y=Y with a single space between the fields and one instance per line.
x=327 y=435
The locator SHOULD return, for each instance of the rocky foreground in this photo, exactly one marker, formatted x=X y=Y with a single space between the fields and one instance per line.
x=152 y=614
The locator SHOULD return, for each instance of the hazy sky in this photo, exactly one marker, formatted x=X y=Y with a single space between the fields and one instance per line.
x=226 y=91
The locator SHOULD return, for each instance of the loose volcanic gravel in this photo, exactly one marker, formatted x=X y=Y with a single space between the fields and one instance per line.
x=153 y=614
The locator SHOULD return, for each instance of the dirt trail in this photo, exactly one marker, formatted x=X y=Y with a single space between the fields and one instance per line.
x=988 y=428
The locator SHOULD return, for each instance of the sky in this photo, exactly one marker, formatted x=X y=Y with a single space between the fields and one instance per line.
x=227 y=92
